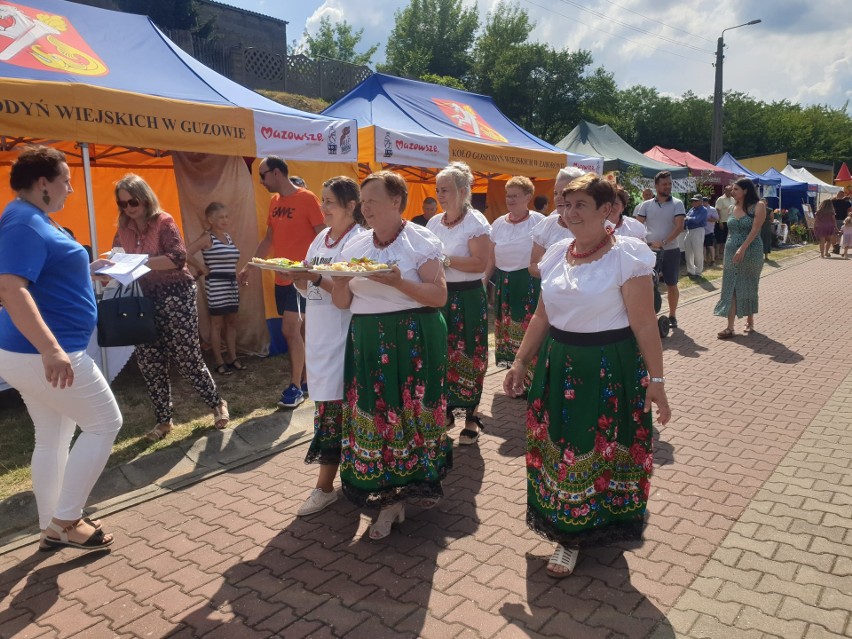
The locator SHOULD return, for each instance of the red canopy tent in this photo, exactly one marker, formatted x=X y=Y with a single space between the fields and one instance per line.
x=844 y=178
x=697 y=167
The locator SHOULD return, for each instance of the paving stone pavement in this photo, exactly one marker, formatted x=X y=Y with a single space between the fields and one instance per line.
x=749 y=528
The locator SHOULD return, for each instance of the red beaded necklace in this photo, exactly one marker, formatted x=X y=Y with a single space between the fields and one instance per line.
x=561 y=223
x=337 y=241
x=511 y=221
x=379 y=244
x=455 y=222
x=578 y=256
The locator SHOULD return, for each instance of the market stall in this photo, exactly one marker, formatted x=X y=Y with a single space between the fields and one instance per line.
x=417 y=128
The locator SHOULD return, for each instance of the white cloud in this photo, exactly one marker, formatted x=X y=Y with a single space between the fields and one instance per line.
x=800 y=51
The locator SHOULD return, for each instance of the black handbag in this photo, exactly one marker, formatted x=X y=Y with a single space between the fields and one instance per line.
x=127 y=319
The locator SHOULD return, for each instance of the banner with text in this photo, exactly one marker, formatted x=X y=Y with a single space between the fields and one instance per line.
x=411 y=149
x=304 y=139
x=508 y=160
x=64 y=111
x=588 y=163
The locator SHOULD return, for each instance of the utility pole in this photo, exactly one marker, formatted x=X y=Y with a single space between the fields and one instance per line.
x=716 y=140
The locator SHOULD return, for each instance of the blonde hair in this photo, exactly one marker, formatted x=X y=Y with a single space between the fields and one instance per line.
x=462 y=177
x=848 y=221
x=523 y=183
x=824 y=207
x=139 y=189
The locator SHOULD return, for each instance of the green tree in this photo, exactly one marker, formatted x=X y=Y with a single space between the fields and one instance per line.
x=431 y=36
x=337 y=41
x=535 y=85
x=444 y=80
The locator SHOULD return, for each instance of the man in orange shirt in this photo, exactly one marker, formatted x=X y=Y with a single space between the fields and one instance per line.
x=293 y=222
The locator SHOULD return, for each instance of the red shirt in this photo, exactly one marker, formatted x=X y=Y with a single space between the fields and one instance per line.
x=292 y=219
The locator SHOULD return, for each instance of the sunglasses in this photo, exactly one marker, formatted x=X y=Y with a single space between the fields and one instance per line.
x=123 y=204
x=263 y=174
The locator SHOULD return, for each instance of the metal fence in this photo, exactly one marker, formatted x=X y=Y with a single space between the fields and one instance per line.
x=258 y=68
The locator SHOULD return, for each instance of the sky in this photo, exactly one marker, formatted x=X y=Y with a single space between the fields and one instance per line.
x=801 y=51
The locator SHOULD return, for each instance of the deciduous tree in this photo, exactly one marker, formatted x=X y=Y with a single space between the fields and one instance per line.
x=431 y=36
x=337 y=41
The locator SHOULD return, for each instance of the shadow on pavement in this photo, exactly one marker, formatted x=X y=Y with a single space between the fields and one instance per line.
x=168 y=468
x=683 y=344
x=41 y=591
x=314 y=578
x=765 y=345
x=595 y=599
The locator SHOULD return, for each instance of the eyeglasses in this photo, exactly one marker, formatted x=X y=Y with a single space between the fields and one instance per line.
x=263 y=174
x=123 y=204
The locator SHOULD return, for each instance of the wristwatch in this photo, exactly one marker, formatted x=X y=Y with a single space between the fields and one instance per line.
x=445 y=260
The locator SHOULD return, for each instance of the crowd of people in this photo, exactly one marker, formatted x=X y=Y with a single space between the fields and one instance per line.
x=390 y=360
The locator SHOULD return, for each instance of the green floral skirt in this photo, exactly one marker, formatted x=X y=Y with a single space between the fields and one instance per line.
x=394 y=440
x=589 y=455
x=466 y=315
x=515 y=299
x=328 y=423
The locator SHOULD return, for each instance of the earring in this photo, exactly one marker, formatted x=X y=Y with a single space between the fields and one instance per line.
x=45 y=197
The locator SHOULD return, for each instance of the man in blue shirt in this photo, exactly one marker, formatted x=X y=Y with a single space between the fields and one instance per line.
x=693 y=245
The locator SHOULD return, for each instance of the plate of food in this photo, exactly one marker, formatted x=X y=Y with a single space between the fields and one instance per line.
x=356 y=267
x=280 y=265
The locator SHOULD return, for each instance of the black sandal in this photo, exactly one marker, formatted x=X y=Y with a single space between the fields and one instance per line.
x=223 y=369
x=236 y=365
x=95 y=541
x=468 y=436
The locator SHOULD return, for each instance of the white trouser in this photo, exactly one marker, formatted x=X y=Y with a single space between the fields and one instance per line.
x=694 y=248
x=62 y=481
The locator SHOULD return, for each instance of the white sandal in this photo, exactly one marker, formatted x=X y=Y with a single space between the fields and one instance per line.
x=387 y=517
x=563 y=558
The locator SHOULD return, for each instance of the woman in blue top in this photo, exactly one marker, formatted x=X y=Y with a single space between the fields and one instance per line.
x=47 y=319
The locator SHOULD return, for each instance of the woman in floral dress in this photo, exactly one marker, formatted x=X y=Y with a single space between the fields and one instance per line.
x=600 y=367
x=744 y=252
x=516 y=291
x=395 y=445
x=464 y=233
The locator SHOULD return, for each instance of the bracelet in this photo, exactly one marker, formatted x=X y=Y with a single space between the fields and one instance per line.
x=318 y=280
x=658 y=380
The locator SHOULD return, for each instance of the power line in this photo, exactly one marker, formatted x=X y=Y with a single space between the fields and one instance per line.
x=641 y=15
x=647 y=46
x=629 y=26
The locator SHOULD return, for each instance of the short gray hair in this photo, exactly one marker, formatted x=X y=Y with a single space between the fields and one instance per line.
x=462 y=177
x=570 y=173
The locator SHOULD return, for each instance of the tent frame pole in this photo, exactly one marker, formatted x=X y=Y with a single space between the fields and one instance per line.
x=93 y=231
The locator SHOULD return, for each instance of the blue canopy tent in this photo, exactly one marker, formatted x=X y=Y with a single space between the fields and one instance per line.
x=729 y=163
x=792 y=193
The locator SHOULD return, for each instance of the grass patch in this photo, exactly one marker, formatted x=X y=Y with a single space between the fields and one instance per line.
x=250 y=394
x=300 y=102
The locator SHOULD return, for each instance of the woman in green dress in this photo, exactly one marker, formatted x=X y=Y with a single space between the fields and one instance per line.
x=515 y=289
x=464 y=232
x=395 y=447
x=600 y=368
x=743 y=258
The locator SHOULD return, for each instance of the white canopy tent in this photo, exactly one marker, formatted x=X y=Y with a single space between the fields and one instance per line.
x=815 y=185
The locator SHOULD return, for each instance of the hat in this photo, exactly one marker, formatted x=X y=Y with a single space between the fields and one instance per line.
x=705 y=198
x=696 y=198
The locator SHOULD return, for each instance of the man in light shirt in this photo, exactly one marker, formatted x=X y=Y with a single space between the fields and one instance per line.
x=663 y=216
x=724 y=204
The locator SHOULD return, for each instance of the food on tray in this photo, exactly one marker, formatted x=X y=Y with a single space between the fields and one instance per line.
x=283 y=262
x=355 y=265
